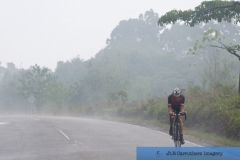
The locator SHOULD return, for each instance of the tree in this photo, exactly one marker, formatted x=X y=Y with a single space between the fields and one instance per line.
x=71 y=71
x=8 y=90
x=35 y=82
x=207 y=11
x=135 y=33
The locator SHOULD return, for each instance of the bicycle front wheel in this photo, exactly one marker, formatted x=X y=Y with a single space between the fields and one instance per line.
x=177 y=142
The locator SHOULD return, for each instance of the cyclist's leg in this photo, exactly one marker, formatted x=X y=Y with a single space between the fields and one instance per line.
x=171 y=123
x=171 y=119
x=181 y=128
x=181 y=109
x=181 y=124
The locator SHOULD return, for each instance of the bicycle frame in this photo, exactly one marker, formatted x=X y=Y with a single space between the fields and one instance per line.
x=175 y=129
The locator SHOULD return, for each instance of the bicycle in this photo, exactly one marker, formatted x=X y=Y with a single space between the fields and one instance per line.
x=175 y=129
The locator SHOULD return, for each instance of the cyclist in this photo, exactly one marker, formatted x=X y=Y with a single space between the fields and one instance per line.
x=176 y=103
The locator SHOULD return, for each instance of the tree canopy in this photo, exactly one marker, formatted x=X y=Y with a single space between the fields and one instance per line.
x=208 y=10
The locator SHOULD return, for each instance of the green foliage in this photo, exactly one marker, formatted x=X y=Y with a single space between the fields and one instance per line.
x=58 y=93
x=208 y=10
x=136 y=32
x=35 y=82
x=217 y=66
x=218 y=111
x=10 y=101
x=212 y=38
x=71 y=71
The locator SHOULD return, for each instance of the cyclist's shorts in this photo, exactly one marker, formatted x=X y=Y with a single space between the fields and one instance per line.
x=176 y=109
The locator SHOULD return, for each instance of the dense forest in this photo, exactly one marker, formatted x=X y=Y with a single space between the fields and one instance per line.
x=133 y=75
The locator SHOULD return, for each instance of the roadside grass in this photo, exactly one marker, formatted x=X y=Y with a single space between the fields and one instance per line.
x=198 y=136
x=212 y=138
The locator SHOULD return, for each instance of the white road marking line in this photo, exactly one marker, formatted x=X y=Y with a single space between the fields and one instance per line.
x=35 y=118
x=165 y=134
x=185 y=140
x=55 y=128
x=1 y=123
x=63 y=133
x=194 y=143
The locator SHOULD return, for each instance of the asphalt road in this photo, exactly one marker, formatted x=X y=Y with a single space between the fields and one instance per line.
x=64 y=138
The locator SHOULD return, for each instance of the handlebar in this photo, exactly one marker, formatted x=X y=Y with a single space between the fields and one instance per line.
x=181 y=114
x=185 y=114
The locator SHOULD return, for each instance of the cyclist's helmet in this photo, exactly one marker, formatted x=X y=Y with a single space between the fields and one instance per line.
x=176 y=92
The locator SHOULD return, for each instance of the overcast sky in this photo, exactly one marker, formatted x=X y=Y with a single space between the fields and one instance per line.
x=44 y=32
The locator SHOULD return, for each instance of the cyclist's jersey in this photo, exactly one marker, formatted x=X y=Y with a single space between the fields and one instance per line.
x=176 y=102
